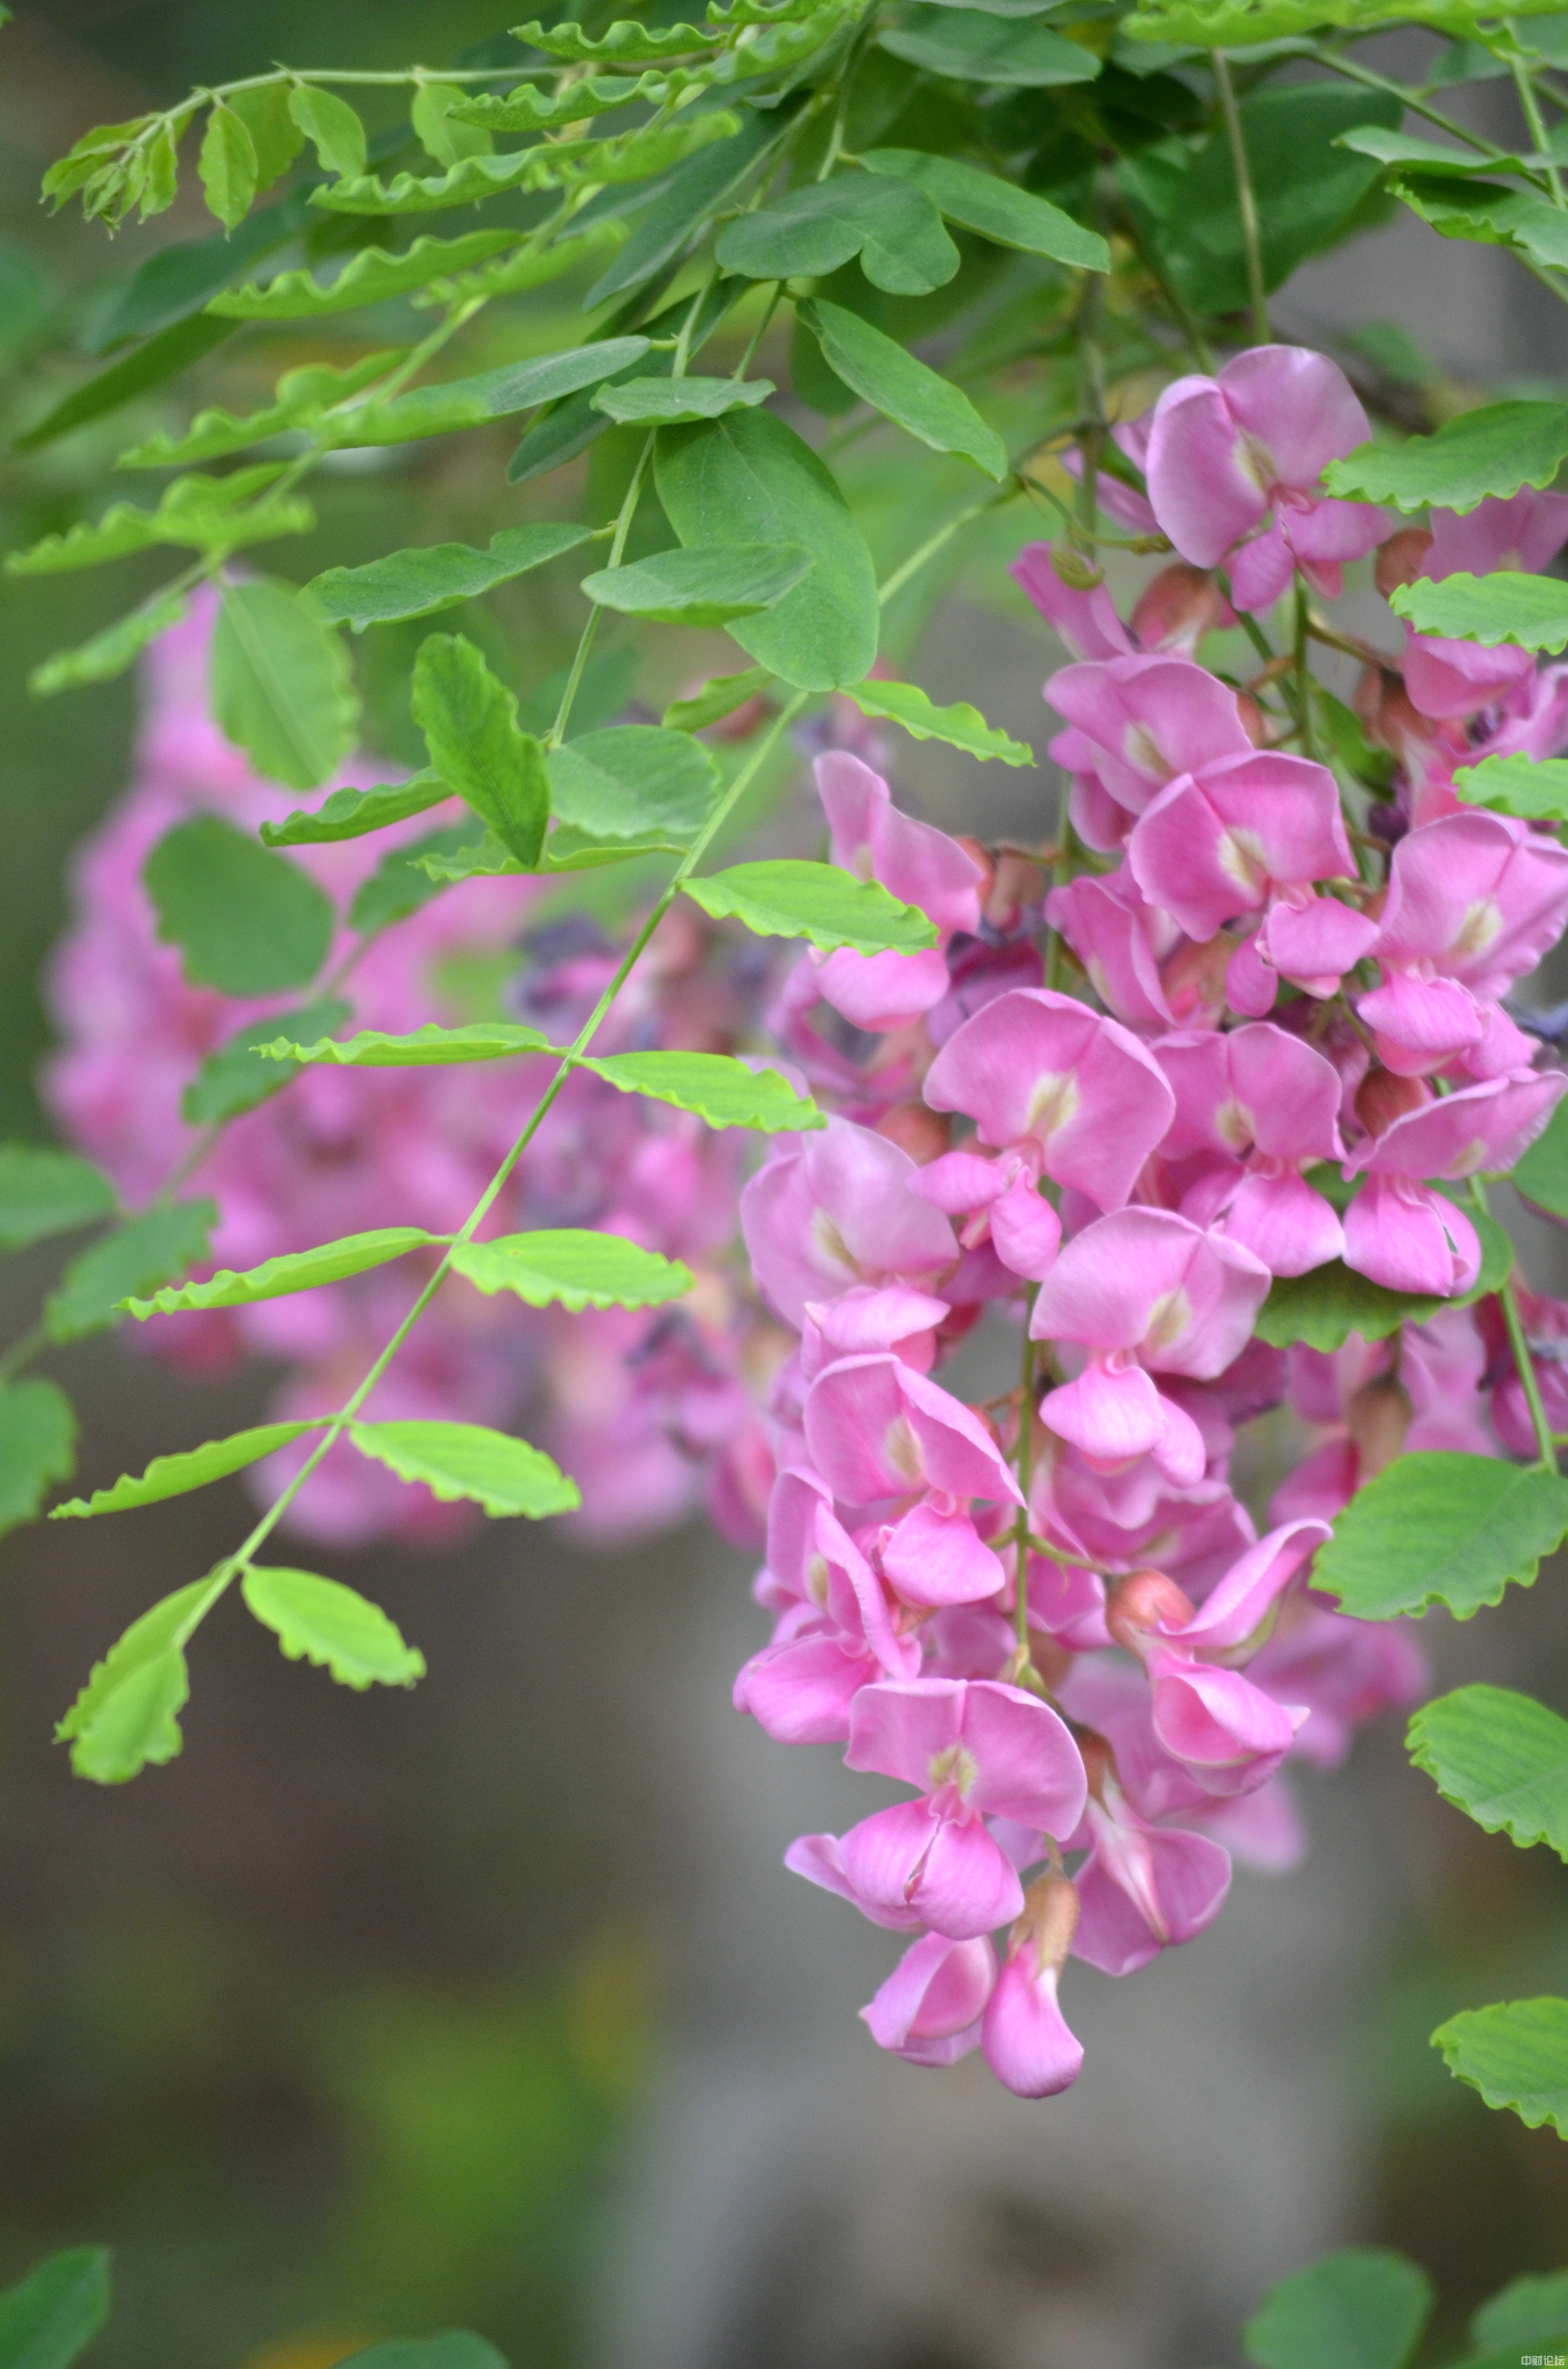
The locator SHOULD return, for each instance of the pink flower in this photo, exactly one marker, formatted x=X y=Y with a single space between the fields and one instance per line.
x=928 y=2009
x=1024 y=2035
x=1136 y=724
x=1228 y=454
x=840 y=1637
x=1272 y=1103
x=1086 y=622
x=837 y=1211
x=1227 y=840
x=1076 y=1095
x=1413 y=1239
x=1006 y=1207
x=1456 y=679
x=877 y=1429
x=913 y=862
x=1141 y=1887
x=1121 y=941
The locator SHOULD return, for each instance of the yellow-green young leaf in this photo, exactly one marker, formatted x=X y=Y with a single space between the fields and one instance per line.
x=188 y=1468
x=1492 y=452
x=1438 y=1527
x=485 y=1040
x=332 y=127
x=108 y=654
x=1325 y=1306
x=717 y=699
x=527 y=266
x=1515 y=2055
x=283 y=689
x=457 y=1460
x=54 y=2313
x=785 y=899
x=323 y=1621
x=161 y=185
x=574 y=1268
x=275 y=1278
x=670 y=402
x=471 y=729
x=302 y=397
x=419 y=582
x=351 y=814
x=898 y=384
x=136 y=1257
x=45 y=1193
x=998 y=210
x=369 y=277
x=633 y=782
x=1542 y=1175
x=38 y=1447
x=625 y=43
x=275 y=136
x=1361 y=2309
x=960 y=725
x=1529 y=611
x=717 y=1087
x=236 y=1079
x=1499 y=1757
x=228 y=166
x=702 y=587
x=127 y=1714
x=529 y=107
x=1536 y=788
x=209 y=514
x=246 y=921
x=444 y=136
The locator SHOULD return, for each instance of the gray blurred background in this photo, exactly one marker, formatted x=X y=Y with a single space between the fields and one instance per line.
x=493 y=2004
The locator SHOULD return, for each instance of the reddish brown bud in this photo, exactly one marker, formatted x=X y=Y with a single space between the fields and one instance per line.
x=1254 y=724
x=1048 y=1920
x=924 y=1134
x=1177 y=607
x=1378 y=1416
x=1400 y=559
x=1194 y=980
x=1380 y=1098
x=1018 y=882
x=1142 y=1602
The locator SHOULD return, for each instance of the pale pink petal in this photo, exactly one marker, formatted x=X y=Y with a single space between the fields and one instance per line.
x=1111 y=1416
x=1298 y=406
x=1205 y=488
x=1086 y=622
x=900 y=1727
x=1029 y=1768
x=934 y=1558
x=802 y=1693
x=881 y=991
x=820 y=1858
x=1024 y=2035
x=1219 y=1723
x=1409 y=1238
x=937 y=1991
x=1025 y=1231
x=1261 y=570
x=1285 y=1223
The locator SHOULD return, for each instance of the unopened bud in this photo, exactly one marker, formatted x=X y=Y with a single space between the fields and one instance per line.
x=1017 y=883
x=1177 y=608
x=1254 y=724
x=1378 y=1416
x=1046 y=1922
x=1099 y=1760
x=1142 y=1602
x=1387 y=715
x=1194 y=980
x=1078 y=574
x=1381 y=1097
x=1400 y=560
x=924 y=1134
x=978 y=853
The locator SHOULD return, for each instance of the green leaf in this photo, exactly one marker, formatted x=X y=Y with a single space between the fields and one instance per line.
x=1528 y=2311
x=332 y=128
x=351 y=814
x=1325 y=1306
x=138 y=1256
x=236 y=1079
x=228 y=166
x=275 y=1278
x=997 y=209
x=456 y=2349
x=1502 y=1757
x=369 y=277
x=1535 y=788
x=444 y=136
x=275 y=136
x=302 y=397
x=632 y=780
x=45 y=1193
x=1529 y=611
x=54 y=2313
x=671 y=402
x=492 y=394
x=696 y=191
x=38 y=1447
x=720 y=1089
x=469 y=721
x=549 y=165
x=283 y=689
x=1437 y=1528
x=323 y=1621
x=571 y=425
x=960 y=725
x=1492 y=452
x=817 y=227
x=166 y=292
x=573 y=1268
x=626 y=44
x=206 y=514
x=717 y=698
x=747 y=478
x=463 y=1460
x=1542 y=1175
x=189 y=1468
x=528 y=266
x=529 y=107
x=419 y=582
x=128 y=1713
x=153 y=364
x=966 y=46
x=785 y=899
x=702 y=586
x=484 y=1040
x=246 y=921
x=1484 y=211
x=1361 y=2309
x=887 y=375
x=108 y=654
x=1515 y=2055
x=403 y=881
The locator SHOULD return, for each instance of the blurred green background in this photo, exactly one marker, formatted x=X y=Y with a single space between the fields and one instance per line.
x=340 y=2025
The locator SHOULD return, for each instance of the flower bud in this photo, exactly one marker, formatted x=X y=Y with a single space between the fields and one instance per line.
x=924 y=1134
x=1141 y=1602
x=1177 y=607
x=1254 y=724
x=1381 y=1097
x=1024 y=2036
x=1378 y=1417
x=1072 y=568
x=1398 y=560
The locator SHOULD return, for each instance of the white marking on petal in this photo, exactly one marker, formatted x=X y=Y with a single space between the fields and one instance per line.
x=954 y=1765
x=1053 y=1102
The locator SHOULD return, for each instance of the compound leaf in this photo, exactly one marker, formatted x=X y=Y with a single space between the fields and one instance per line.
x=187 y=1469
x=1515 y=2055
x=702 y=586
x=282 y=690
x=135 y=1258
x=469 y=721
x=1362 y=2308
x=719 y=1088
x=419 y=583
x=38 y=1447
x=54 y=2313
x=1492 y=452
x=996 y=210
x=1531 y=611
x=960 y=725
x=1325 y=1306
x=898 y=384
x=1536 y=788
x=45 y=1193
x=351 y=814
x=128 y=1713
x=633 y=782
x=1502 y=1757
x=670 y=402
x=275 y=1278
x=787 y=899
x=486 y=1040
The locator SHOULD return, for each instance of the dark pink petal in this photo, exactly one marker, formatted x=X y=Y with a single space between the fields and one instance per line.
x=1489 y=1125
x=937 y=1991
x=1458 y=679
x=1113 y=937
x=1410 y=1239
x=900 y=1728
x=1285 y=1223
x=836 y=1212
x=1479 y=896
x=1242 y=1600
x=1145 y=720
x=820 y=1858
x=1025 y=1231
x=1029 y=1768
x=881 y=991
x=1261 y=569
x=1206 y=490
x=1086 y=622
x=1219 y=1723
x=1523 y=533
x=1420 y=1024
x=1111 y=1414
x=802 y=1693
x=1317 y=942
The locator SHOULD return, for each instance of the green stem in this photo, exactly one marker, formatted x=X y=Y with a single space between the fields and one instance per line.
x=1091 y=401
x=1303 y=672
x=1062 y=873
x=1523 y=1361
x=1353 y=72
x=1530 y=107
x=586 y=638
x=1191 y=326
x=1246 y=201
x=929 y=549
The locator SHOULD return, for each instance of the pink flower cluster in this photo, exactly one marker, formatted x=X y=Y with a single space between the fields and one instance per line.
x=1050 y=1616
